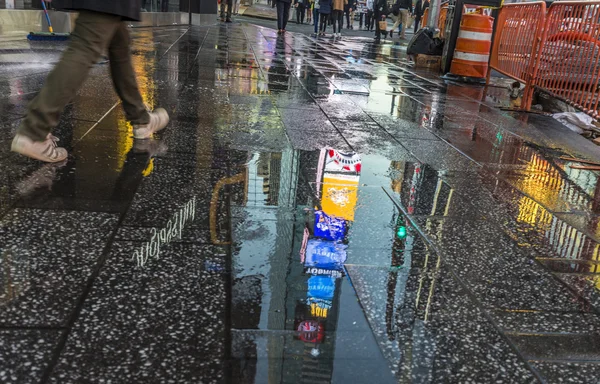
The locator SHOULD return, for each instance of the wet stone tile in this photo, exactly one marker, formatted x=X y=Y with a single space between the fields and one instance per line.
x=496 y=270
x=557 y=372
x=438 y=155
x=538 y=322
x=559 y=347
x=312 y=140
x=26 y=354
x=402 y=128
x=49 y=256
x=131 y=325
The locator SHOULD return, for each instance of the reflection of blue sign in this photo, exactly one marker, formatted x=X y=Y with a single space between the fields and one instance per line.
x=329 y=228
x=321 y=287
x=324 y=254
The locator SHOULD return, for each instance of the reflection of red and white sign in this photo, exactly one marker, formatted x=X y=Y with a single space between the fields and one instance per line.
x=337 y=161
x=311 y=331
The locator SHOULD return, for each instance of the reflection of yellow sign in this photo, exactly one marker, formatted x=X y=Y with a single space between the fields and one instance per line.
x=339 y=195
x=317 y=311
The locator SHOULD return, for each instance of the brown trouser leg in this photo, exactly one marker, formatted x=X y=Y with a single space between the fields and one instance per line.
x=93 y=33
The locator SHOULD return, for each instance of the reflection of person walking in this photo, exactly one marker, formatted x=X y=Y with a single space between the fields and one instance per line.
x=283 y=14
x=99 y=26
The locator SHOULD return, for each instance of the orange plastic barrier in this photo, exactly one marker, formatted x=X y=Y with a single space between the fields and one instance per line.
x=472 y=52
x=441 y=23
x=442 y=20
x=518 y=34
x=568 y=62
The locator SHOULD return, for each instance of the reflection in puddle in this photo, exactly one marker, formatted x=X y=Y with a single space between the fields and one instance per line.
x=324 y=253
x=173 y=230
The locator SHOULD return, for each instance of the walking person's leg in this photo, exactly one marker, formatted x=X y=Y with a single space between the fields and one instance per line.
x=341 y=22
x=223 y=10
x=298 y=14
x=417 y=22
x=229 y=9
x=123 y=77
x=324 y=21
x=286 y=14
x=334 y=21
x=88 y=42
x=377 y=29
x=404 y=19
x=303 y=15
x=347 y=14
x=316 y=20
x=279 y=15
x=397 y=21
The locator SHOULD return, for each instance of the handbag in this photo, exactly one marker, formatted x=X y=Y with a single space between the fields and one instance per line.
x=383 y=25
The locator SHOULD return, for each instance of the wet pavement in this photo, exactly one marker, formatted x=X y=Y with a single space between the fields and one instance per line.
x=316 y=212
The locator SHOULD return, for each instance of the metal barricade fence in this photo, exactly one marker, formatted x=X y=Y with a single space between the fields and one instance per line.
x=568 y=61
x=518 y=36
x=557 y=52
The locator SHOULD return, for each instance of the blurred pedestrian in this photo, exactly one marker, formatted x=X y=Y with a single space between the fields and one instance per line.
x=164 y=6
x=349 y=12
x=324 y=12
x=316 y=13
x=236 y=7
x=337 y=16
x=309 y=11
x=300 y=11
x=420 y=8
x=402 y=9
x=100 y=25
x=370 y=15
x=380 y=12
x=283 y=14
x=229 y=5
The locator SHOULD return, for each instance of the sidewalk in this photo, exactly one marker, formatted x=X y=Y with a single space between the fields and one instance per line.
x=469 y=247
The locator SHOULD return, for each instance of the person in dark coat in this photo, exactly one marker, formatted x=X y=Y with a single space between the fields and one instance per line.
x=100 y=26
x=324 y=13
x=380 y=12
x=300 y=10
x=349 y=12
x=283 y=14
x=420 y=8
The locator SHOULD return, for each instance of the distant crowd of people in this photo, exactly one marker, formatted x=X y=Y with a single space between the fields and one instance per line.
x=372 y=14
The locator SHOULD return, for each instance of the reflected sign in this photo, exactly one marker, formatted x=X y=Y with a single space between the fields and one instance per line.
x=325 y=254
x=321 y=287
x=328 y=227
x=339 y=195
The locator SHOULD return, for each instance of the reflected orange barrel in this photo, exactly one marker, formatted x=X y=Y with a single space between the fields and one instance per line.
x=472 y=52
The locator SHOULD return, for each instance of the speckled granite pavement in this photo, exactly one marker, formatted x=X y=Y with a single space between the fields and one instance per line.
x=465 y=249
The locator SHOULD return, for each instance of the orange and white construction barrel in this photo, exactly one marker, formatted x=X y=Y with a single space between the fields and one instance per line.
x=472 y=52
